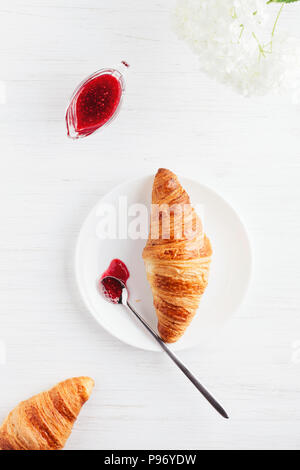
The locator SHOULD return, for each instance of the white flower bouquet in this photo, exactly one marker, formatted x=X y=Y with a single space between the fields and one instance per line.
x=238 y=43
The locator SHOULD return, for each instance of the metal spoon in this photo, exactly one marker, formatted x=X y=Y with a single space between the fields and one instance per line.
x=123 y=299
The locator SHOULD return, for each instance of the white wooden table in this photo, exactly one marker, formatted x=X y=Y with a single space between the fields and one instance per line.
x=173 y=116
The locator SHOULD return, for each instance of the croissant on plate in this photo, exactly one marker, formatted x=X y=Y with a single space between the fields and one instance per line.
x=177 y=256
x=45 y=421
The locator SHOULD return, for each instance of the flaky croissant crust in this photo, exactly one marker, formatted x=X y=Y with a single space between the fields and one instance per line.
x=178 y=267
x=45 y=421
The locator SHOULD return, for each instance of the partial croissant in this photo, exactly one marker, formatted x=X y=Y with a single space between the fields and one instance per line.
x=177 y=261
x=45 y=421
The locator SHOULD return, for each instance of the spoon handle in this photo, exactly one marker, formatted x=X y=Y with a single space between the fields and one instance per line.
x=181 y=366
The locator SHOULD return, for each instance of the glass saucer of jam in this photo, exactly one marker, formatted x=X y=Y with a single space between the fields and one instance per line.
x=95 y=103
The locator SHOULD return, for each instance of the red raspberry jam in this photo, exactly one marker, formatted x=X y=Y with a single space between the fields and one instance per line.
x=109 y=287
x=94 y=103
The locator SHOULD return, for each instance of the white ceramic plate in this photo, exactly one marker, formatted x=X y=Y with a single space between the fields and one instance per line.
x=229 y=275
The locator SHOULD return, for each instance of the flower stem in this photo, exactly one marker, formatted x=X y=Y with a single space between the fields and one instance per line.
x=260 y=47
x=277 y=18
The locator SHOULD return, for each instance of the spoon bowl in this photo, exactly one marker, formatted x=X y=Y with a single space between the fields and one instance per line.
x=111 y=284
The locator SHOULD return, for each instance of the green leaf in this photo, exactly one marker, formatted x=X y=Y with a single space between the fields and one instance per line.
x=282 y=1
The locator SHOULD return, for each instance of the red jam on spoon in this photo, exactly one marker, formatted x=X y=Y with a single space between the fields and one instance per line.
x=94 y=103
x=109 y=287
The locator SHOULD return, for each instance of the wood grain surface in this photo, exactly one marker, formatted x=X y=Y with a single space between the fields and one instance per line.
x=173 y=116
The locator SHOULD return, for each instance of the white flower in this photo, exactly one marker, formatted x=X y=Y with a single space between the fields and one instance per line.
x=236 y=44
